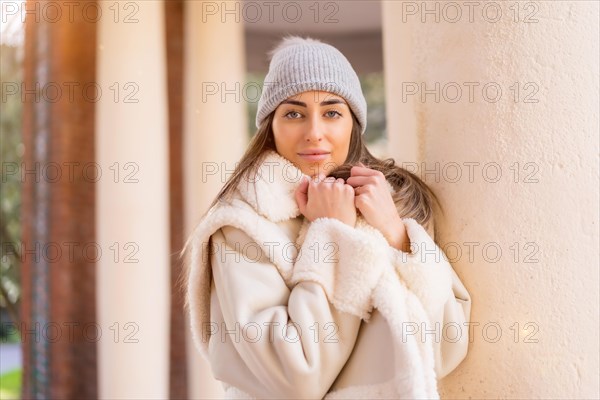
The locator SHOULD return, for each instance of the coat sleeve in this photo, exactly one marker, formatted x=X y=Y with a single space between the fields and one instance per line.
x=428 y=274
x=310 y=324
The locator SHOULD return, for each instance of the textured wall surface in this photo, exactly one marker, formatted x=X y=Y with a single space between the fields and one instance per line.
x=517 y=173
x=133 y=207
x=214 y=135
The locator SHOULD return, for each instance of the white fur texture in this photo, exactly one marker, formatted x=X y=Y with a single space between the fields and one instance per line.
x=347 y=262
x=425 y=270
x=271 y=192
x=403 y=287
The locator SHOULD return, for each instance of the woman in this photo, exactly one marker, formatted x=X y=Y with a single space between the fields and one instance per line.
x=312 y=274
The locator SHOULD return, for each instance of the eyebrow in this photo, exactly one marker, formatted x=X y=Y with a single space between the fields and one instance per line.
x=323 y=103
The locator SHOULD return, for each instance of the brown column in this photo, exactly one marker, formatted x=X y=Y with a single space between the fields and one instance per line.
x=59 y=309
x=177 y=358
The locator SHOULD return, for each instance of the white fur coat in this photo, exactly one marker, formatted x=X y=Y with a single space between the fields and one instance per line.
x=366 y=276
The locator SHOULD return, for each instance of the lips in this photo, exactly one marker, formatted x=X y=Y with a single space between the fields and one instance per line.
x=313 y=152
x=314 y=155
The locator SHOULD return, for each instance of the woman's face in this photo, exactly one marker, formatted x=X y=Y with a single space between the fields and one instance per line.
x=310 y=123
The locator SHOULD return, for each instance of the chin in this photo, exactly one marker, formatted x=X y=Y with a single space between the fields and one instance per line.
x=314 y=168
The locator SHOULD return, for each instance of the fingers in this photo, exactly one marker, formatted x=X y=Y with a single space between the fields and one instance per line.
x=331 y=183
x=303 y=187
x=357 y=170
x=357 y=180
x=318 y=178
x=301 y=195
x=331 y=179
x=339 y=183
x=321 y=178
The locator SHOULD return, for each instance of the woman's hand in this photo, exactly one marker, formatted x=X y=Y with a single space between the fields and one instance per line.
x=374 y=200
x=326 y=197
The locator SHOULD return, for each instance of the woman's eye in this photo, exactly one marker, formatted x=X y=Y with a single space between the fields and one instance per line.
x=292 y=114
x=333 y=114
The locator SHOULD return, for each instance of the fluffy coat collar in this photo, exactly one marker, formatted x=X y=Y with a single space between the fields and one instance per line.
x=271 y=192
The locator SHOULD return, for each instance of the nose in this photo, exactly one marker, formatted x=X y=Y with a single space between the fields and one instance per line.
x=314 y=132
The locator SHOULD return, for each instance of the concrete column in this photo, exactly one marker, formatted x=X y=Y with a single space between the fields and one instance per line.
x=518 y=159
x=402 y=130
x=214 y=126
x=132 y=202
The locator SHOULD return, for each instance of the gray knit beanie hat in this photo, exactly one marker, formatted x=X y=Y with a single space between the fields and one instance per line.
x=299 y=65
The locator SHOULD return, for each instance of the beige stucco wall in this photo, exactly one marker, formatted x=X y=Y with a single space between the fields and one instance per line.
x=132 y=214
x=543 y=208
x=214 y=132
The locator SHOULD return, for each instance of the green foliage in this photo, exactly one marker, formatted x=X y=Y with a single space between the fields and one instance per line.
x=374 y=91
x=254 y=83
x=11 y=152
x=10 y=385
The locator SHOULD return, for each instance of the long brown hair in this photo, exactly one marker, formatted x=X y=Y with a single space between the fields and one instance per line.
x=413 y=198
